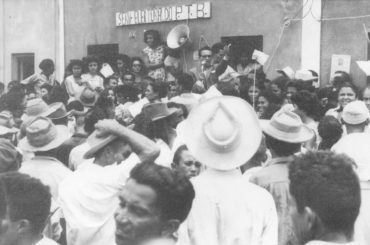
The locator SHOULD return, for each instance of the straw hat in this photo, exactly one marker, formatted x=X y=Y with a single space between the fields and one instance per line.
x=157 y=111
x=97 y=143
x=88 y=97
x=222 y=132
x=287 y=126
x=355 y=113
x=43 y=135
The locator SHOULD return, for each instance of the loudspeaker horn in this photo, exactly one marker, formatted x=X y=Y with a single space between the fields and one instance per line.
x=178 y=36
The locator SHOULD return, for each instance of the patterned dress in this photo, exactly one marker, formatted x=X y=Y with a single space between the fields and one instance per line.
x=156 y=56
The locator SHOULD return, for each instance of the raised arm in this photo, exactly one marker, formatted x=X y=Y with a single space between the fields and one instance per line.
x=145 y=148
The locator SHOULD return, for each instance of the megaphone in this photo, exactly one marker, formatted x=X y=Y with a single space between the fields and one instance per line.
x=178 y=36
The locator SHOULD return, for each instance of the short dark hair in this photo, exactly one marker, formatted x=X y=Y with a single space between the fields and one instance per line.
x=175 y=193
x=155 y=34
x=46 y=64
x=282 y=148
x=75 y=105
x=176 y=156
x=326 y=182
x=73 y=63
x=203 y=48
x=217 y=47
x=307 y=102
x=330 y=130
x=158 y=86
x=352 y=86
x=125 y=58
x=91 y=58
x=27 y=198
x=186 y=81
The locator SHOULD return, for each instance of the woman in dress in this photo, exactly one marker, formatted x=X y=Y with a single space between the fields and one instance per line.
x=154 y=55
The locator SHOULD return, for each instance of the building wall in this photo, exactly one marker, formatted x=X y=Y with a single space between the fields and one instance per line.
x=27 y=27
x=93 y=22
x=344 y=36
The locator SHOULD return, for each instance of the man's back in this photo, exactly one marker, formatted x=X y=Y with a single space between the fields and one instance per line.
x=274 y=178
x=229 y=210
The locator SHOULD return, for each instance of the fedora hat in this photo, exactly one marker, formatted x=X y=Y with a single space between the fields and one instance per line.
x=88 y=97
x=287 y=71
x=157 y=111
x=43 y=135
x=97 y=143
x=5 y=130
x=287 y=126
x=222 y=132
x=57 y=110
x=355 y=113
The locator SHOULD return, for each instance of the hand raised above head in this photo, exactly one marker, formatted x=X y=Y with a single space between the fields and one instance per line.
x=107 y=126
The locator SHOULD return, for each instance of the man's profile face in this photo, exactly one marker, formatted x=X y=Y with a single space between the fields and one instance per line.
x=137 y=218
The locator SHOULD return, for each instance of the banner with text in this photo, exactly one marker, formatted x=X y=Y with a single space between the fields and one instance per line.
x=164 y=14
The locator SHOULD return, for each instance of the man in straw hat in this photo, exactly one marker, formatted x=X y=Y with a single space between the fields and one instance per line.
x=89 y=195
x=227 y=209
x=285 y=133
x=42 y=139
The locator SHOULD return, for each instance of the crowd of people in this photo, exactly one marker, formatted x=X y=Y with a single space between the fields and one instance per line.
x=154 y=154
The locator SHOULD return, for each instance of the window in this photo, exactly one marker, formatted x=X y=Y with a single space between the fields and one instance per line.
x=243 y=45
x=106 y=52
x=23 y=65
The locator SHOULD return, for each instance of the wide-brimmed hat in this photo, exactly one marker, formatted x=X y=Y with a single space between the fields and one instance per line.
x=57 y=110
x=355 y=112
x=287 y=126
x=35 y=107
x=43 y=135
x=223 y=132
x=97 y=142
x=88 y=97
x=157 y=111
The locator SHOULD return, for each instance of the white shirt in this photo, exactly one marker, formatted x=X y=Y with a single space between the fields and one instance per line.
x=46 y=241
x=89 y=198
x=165 y=155
x=48 y=170
x=94 y=81
x=357 y=146
x=76 y=156
x=228 y=210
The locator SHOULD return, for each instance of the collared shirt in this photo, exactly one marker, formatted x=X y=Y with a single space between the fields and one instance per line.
x=89 y=199
x=228 y=210
x=76 y=156
x=274 y=178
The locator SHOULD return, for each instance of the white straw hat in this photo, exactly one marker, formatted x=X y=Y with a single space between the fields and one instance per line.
x=287 y=126
x=223 y=132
